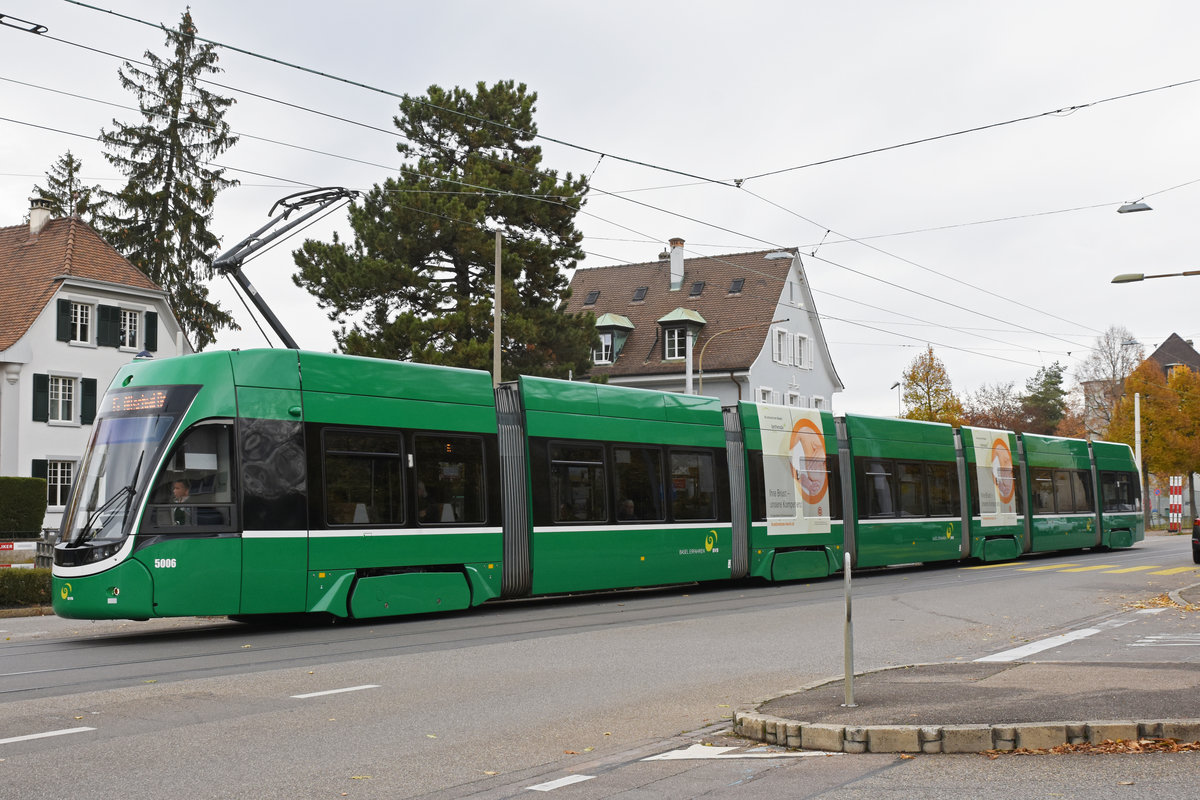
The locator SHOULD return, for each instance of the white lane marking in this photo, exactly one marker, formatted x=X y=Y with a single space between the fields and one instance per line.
x=1151 y=610
x=700 y=751
x=335 y=691
x=1017 y=653
x=1169 y=640
x=45 y=735
x=550 y=786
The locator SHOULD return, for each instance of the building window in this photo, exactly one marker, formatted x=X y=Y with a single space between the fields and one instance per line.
x=81 y=323
x=128 y=332
x=802 y=352
x=674 y=343
x=795 y=399
x=766 y=394
x=697 y=289
x=58 y=481
x=604 y=355
x=592 y=297
x=818 y=402
x=639 y=294
x=781 y=347
x=735 y=287
x=62 y=399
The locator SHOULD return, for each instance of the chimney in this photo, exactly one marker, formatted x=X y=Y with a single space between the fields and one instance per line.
x=676 y=264
x=39 y=214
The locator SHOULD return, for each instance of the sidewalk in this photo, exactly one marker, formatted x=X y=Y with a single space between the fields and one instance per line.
x=971 y=707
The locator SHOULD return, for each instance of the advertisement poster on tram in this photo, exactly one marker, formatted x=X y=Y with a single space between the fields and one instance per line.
x=795 y=471
x=995 y=476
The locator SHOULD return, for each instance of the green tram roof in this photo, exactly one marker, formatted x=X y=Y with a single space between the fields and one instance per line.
x=1055 y=451
x=578 y=410
x=888 y=437
x=1114 y=456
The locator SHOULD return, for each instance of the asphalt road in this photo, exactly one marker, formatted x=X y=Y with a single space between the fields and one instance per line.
x=491 y=702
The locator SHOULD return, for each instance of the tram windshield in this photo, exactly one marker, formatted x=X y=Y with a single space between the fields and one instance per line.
x=131 y=430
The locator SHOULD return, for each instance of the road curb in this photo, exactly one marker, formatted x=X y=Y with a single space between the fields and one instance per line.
x=951 y=738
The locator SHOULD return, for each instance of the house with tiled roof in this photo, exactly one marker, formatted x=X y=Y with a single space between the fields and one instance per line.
x=1174 y=353
x=736 y=327
x=72 y=312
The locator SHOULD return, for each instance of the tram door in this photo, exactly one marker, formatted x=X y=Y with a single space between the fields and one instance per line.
x=274 y=511
x=191 y=544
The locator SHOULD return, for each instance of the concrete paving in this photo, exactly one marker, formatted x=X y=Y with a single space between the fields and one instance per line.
x=971 y=707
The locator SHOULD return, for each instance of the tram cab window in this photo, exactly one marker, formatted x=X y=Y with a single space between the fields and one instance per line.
x=363 y=477
x=638 y=478
x=448 y=473
x=577 y=484
x=194 y=491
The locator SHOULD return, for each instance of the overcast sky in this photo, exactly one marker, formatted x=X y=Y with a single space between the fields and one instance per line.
x=996 y=246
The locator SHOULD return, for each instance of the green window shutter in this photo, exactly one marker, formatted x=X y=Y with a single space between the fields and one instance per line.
x=64 y=321
x=151 y=331
x=87 y=401
x=108 y=328
x=39 y=468
x=41 y=398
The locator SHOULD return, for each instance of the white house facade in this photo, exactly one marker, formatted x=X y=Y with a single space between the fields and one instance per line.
x=72 y=312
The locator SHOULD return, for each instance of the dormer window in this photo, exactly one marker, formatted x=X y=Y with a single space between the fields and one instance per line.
x=736 y=286
x=675 y=343
x=697 y=288
x=639 y=294
x=604 y=355
x=592 y=297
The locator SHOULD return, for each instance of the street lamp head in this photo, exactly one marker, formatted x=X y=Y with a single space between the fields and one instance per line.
x=894 y=385
x=1129 y=277
x=1136 y=205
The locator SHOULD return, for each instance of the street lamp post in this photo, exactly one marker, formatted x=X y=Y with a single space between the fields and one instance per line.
x=899 y=408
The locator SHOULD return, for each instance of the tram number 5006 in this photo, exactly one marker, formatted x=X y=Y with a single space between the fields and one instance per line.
x=164 y=563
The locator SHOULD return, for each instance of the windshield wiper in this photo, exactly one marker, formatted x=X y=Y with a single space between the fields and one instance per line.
x=127 y=492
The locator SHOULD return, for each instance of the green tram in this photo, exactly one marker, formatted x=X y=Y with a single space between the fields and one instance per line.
x=258 y=482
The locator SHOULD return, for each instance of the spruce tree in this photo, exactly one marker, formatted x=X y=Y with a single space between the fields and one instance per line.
x=67 y=195
x=160 y=219
x=416 y=282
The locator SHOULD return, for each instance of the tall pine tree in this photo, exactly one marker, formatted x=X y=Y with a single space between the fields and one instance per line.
x=66 y=193
x=417 y=280
x=160 y=219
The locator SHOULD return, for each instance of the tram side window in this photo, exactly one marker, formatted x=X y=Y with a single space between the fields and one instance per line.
x=1042 y=480
x=758 y=486
x=363 y=478
x=943 y=489
x=577 y=485
x=1082 y=490
x=875 y=477
x=693 y=486
x=1120 y=491
x=911 y=482
x=449 y=475
x=638 y=483
x=195 y=489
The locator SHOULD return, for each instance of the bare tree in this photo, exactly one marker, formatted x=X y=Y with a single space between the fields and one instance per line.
x=994 y=405
x=1101 y=376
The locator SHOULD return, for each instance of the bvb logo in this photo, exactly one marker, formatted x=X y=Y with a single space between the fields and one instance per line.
x=710 y=541
x=65 y=591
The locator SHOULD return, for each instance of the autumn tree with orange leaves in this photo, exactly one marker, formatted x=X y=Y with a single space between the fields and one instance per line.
x=928 y=392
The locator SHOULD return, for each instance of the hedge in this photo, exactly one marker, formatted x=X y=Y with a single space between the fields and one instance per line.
x=22 y=507
x=24 y=587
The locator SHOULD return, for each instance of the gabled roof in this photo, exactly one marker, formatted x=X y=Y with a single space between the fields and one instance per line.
x=754 y=306
x=1175 y=350
x=33 y=267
